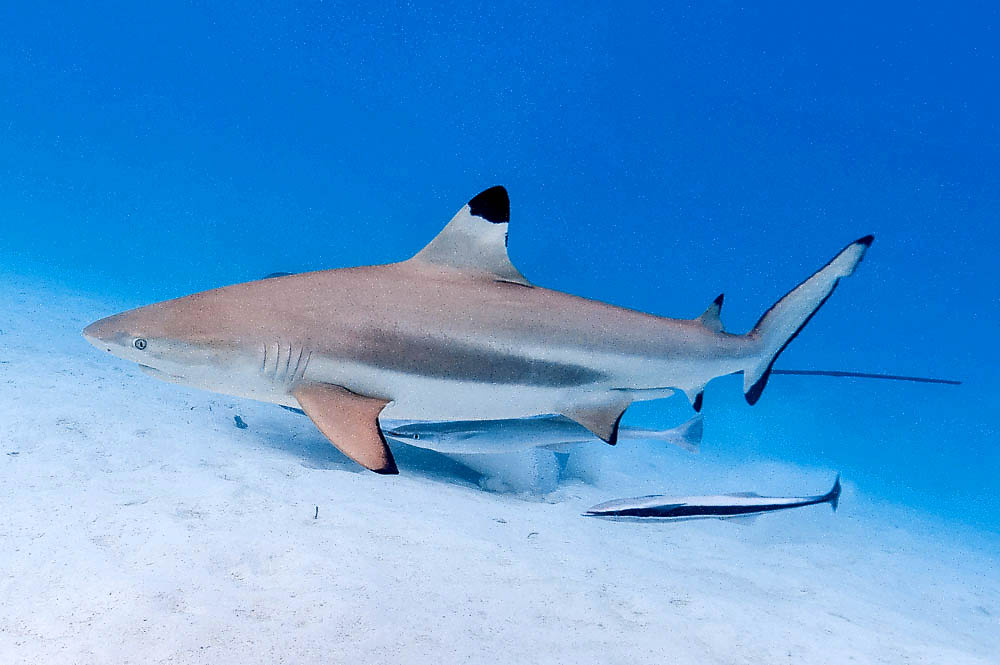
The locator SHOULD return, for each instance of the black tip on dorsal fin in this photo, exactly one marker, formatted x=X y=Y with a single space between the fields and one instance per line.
x=493 y=205
x=718 y=300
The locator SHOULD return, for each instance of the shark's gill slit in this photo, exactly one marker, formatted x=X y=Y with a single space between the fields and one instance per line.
x=263 y=364
x=288 y=363
x=305 y=365
x=298 y=362
x=273 y=371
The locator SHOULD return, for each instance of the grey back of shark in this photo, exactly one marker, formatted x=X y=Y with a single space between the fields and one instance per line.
x=726 y=506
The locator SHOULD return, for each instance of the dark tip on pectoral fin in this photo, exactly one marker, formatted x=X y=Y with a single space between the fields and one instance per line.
x=389 y=468
x=493 y=205
x=866 y=241
x=697 y=401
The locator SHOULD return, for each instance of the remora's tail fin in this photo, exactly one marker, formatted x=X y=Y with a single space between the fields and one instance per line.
x=833 y=496
x=786 y=318
x=687 y=435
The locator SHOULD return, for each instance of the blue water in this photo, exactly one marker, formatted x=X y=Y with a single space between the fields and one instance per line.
x=655 y=157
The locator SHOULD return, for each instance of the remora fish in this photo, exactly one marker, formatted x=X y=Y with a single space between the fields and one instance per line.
x=454 y=333
x=514 y=434
x=726 y=506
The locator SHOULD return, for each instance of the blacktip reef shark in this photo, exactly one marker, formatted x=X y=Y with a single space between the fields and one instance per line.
x=726 y=506
x=553 y=432
x=454 y=333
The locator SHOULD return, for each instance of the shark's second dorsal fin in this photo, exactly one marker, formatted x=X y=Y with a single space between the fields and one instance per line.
x=475 y=240
x=711 y=318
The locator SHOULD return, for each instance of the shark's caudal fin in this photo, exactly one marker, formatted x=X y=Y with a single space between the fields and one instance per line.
x=786 y=318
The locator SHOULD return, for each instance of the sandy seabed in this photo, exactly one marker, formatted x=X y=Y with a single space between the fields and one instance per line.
x=139 y=525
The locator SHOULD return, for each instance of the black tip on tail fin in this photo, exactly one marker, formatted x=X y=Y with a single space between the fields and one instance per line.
x=756 y=389
x=493 y=205
x=833 y=496
x=698 y=401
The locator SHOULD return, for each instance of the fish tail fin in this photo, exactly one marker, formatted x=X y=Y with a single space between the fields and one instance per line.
x=833 y=496
x=687 y=435
x=786 y=318
x=691 y=433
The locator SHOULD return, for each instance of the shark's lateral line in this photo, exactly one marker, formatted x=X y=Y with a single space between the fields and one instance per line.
x=454 y=333
x=727 y=506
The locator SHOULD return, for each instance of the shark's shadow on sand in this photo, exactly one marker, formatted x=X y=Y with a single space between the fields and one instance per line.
x=293 y=435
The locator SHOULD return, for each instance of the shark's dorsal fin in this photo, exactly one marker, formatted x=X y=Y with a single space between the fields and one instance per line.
x=350 y=422
x=711 y=319
x=475 y=240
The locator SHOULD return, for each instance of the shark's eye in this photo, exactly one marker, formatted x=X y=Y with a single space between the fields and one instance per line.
x=416 y=436
x=139 y=343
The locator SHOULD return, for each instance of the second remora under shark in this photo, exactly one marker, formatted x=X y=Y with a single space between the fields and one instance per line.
x=454 y=333
x=503 y=436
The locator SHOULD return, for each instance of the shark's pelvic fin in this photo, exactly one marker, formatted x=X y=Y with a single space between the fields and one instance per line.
x=350 y=422
x=710 y=318
x=787 y=317
x=603 y=420
x=475 y=240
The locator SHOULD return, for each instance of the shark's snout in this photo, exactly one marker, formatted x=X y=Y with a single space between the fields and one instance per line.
x=101 y=333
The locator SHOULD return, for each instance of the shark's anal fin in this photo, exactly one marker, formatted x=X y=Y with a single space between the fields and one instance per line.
x=603 y=420
x=350 y=422
x=475 y=240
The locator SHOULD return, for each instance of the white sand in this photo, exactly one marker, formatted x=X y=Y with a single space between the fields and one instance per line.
x=139 y=525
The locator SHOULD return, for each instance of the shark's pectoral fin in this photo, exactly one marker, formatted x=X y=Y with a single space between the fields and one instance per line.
x=350 y=422
x=602 y=420
x=475 y=240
